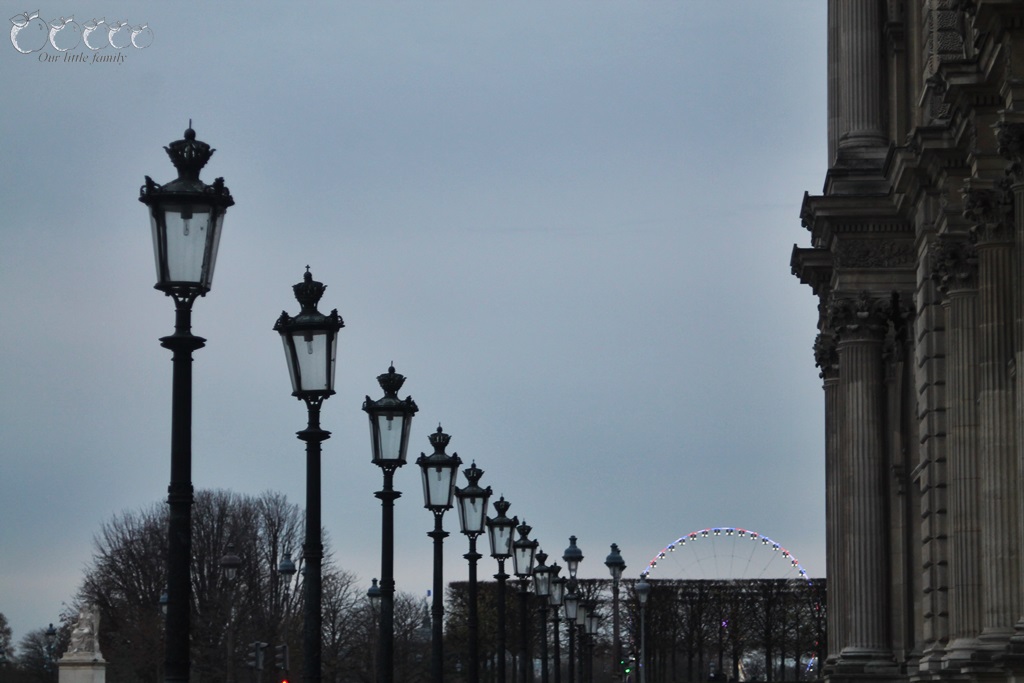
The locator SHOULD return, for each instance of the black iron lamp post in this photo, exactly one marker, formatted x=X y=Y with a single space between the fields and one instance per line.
x=500 y=531
x=310 y=347
x=616 y=565
x=186 y=216
x=374 y=597
x=390 y=422
x=472 y=517
x=572 y=558
x=542 y=575
x=439 y=472
x=590 y=626
x=523 y=551
x=643 y=591
x=555 y=599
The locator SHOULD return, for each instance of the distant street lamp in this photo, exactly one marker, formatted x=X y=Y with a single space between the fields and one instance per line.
x=390 y=422
x=286 y=570
x=500 y=531
x=439 y=471
x=643 y=591
x=472 y=518
x=186 y=216
x=616 y=565
x=374 y=596
x=310 y=346
x=542 y=589
x=51 y=641
x=523 y=551
x=229 y=565
x=555 y=599
x=590 y=626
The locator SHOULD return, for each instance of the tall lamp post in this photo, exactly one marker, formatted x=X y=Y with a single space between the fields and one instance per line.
x=472 y=518
x=616 y=565
x=523 y=551
x=310 y=346
x=572 y=558
x=390 y=422
x=500 y=531
x=439 y=471
x=555 y=600
x=643 y=591
x=186 y=216
x=373 y=595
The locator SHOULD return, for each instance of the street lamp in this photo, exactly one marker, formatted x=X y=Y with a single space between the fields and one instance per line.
x=472 y=518
x=374 y=597
x=643 y=591
x=186 y=216
x=310 y=346
x=286 y=570
x=616 y=565
x=555 y=599
x=500 y=531
x=542 y=589
x=439 y=471
x=523 y=551
x=229 y=565
x=590 y=625
x=390 y=422
x=572 y=558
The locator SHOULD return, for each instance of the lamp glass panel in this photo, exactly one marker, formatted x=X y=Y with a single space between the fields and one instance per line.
x=500 y=537
x=186 y=238
x=472 y=513
x=389 y=432
x=314 y=353
x=438 y=486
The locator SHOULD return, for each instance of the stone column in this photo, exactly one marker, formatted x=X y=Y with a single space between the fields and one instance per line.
x=826 y=358
x=859 y=24
x=1000 y=527
x=955 y=269
x=861 y=325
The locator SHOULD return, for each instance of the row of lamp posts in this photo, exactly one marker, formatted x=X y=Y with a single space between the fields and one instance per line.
x=186 y=217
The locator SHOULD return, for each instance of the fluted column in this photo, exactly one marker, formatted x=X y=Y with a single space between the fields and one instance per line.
x=861 y=324
x=827 y=360
x=859 y=28
x=1000 y=526
x=955 y=270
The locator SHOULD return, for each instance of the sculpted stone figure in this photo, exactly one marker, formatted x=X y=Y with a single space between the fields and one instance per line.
x=85 y=634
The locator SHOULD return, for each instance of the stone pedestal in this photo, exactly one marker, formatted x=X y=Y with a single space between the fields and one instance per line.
x=82 y=667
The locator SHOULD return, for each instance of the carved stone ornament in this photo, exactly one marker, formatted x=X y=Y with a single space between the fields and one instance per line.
x=954 y=265
x=85 y=641
x=825 y=356
x=1010 y=141
x=989 y=209
x=864 y=317
x=873 y=254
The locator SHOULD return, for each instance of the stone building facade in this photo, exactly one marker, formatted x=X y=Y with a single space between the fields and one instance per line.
x=915 y=259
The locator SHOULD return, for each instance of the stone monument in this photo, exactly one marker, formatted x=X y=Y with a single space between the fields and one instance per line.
x=83 y=662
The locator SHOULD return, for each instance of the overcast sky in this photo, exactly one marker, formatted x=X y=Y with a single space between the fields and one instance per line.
x=567 y=223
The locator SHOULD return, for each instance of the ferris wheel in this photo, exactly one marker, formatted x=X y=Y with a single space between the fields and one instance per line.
x=725 y=553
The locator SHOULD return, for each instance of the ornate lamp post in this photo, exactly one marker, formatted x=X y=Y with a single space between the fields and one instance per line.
x=590 y=626
x=643 y=591
x=555 y=599
x=374 y=596
x=310 y=346
x=186 y=216
x=523 y=551
x=500 y=531
x=229 y=564
x=616 y=565
x=572 y=558
x=390 y=422
x=439 y=470
x=472 y=517
x=542 y=589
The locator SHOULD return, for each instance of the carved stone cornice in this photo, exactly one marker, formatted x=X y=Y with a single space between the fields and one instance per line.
x=990 y=211
x=860 y=318
x=826 y=357
x=954 y=265
x=874 y=253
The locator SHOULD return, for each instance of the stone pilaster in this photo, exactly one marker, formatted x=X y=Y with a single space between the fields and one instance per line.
x=827 y=359
x=861 y=325
x=955 y=270
x=998 y=485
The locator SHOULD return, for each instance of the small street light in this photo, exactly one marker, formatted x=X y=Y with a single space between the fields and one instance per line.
x=616 y=565
x=310 y=342
x=523 y=551
x=572 y=558
x=438 y=470
x=472 y=518
x=643 y=591
x=500 y=531
x=229 y=565
x=555 y=600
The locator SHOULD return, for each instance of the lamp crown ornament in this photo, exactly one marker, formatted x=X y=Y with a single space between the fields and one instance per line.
x=473 y=474
x=501 y=505
x=391 y=382
x=439 y=440
x=308 y=292
x=189 y=155
x=524 y=530
x=541 y=558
